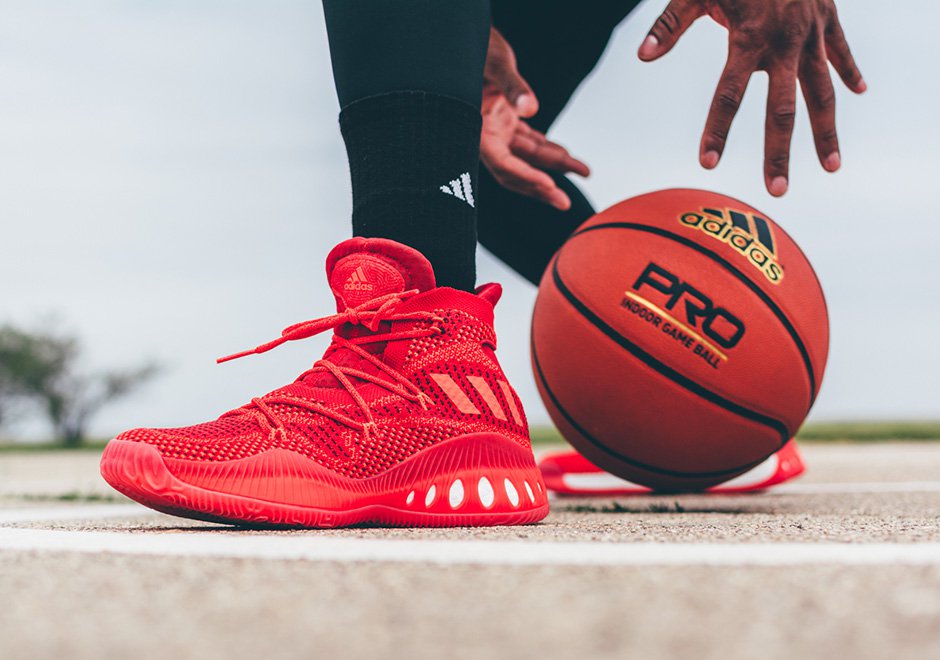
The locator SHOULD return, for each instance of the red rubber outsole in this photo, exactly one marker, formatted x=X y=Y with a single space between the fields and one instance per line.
x=468 y=481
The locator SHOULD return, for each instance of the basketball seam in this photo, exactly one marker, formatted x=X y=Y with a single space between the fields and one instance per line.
x=787 y=325
x=663 y=368
x=607 y=450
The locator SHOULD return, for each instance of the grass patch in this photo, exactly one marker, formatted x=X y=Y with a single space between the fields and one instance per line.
x=545 y=435
x=43 y=447
x=819 y=432
x=73 y=496
x=869 y=431
x=548 y=435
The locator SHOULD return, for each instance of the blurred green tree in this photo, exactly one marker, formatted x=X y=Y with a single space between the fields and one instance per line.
x=41 y=367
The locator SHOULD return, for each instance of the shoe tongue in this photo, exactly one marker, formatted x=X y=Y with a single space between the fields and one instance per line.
x=361 y=269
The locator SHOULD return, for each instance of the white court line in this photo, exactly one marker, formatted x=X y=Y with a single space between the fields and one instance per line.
x=599 y=483
x=858 y=487
x=81 y=512
x=100 y=511
x=312 y=547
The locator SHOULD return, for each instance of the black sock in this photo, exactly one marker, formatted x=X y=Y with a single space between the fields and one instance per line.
x=414 y=158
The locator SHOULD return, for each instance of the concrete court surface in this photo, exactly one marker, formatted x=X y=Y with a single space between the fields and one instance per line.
x=844 y=563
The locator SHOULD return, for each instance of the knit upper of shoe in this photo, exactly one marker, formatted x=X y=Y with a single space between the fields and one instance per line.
x=410 y=365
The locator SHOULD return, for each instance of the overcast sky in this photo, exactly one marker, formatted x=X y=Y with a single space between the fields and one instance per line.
x=172 y=178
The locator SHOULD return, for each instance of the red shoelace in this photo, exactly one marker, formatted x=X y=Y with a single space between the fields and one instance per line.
x=369 y=315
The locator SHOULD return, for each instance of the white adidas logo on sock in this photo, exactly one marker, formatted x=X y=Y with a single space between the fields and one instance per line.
x=357 y=281
x=460 y=188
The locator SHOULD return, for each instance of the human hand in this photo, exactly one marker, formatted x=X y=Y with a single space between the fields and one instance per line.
x=515 y=153
x=789 y=39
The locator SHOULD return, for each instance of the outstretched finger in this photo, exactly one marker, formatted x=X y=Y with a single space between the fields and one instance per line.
x=536 y=149
x=778 y=129
x=728 y=96
x=820 y=98
x=837 y=49
x=515 y=174
x=675 y=19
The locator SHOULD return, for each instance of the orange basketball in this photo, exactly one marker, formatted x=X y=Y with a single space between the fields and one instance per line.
x=679 y=338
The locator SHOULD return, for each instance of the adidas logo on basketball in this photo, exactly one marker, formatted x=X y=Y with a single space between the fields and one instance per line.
x=357 y=281
x=749 y=234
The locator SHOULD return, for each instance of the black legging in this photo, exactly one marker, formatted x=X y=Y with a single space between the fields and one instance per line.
x=379 y=46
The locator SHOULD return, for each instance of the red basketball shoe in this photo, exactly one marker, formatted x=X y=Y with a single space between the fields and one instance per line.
x=407 y=420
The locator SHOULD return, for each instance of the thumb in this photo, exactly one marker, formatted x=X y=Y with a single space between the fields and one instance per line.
x=502 y=74
x=518 y=92
x=675 y=19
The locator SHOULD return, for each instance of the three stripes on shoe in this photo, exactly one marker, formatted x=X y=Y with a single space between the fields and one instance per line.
x=466 y=406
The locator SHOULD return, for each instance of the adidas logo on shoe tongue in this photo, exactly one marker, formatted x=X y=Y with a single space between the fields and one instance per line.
x=357 y=281
x=361 y=276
